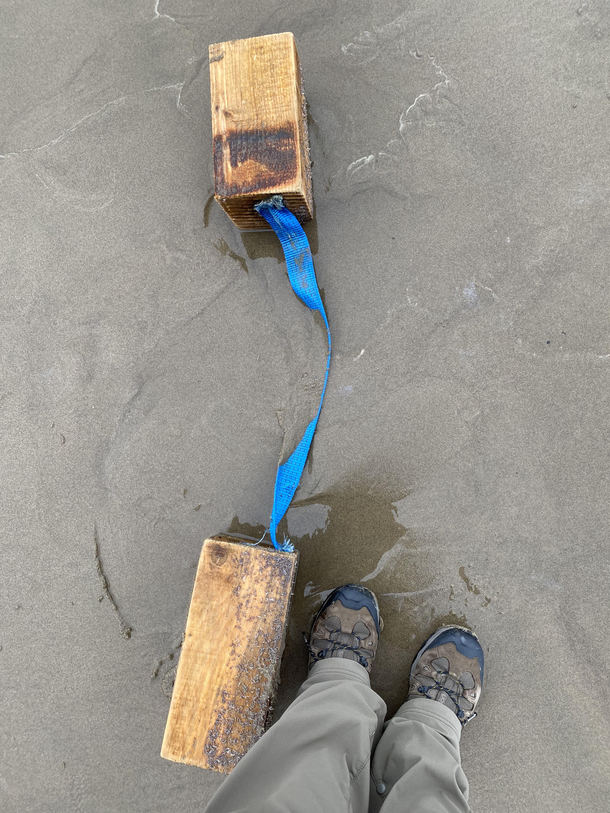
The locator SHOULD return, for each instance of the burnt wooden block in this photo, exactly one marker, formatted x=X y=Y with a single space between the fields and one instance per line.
x=259 y=127
x=229 y=666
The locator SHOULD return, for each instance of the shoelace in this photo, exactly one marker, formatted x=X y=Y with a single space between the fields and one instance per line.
x=453 y=695
x=335 y=645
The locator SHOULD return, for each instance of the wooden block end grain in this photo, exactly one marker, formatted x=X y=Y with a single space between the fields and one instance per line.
x=259 y=127
x=229 y=665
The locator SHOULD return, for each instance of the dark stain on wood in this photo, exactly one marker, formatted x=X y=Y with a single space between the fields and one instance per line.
x=218 y=555
x=216 y=53
x=259 y=159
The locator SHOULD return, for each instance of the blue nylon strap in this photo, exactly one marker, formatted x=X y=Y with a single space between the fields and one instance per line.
x=303 y=280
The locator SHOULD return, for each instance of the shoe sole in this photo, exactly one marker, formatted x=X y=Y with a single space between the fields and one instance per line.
x=433 y=638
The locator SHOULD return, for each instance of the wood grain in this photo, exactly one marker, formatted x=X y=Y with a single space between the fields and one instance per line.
x=230 y=659
x=259 y=128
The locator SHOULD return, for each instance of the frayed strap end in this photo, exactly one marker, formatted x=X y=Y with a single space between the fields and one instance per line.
x=286 y=546
x=276 y=202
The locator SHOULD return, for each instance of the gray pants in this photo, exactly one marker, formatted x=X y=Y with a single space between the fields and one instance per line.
x=330 y=751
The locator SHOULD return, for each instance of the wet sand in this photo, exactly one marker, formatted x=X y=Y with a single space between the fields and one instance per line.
x=156 y=363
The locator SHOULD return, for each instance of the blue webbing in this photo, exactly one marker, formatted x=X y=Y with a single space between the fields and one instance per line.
x=303 y=280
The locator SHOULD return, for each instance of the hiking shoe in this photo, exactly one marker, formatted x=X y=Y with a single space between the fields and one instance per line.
x=347 y=626
x=449 y=669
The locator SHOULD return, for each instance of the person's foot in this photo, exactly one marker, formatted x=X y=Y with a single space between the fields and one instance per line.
x=449 y=669
x=347 y=626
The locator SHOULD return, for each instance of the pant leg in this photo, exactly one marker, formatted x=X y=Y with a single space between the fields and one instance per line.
x=416 y=767
x=317 y=756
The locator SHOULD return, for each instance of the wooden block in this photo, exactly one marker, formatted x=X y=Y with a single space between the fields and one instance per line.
x=259 y=126
x=228 y=669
